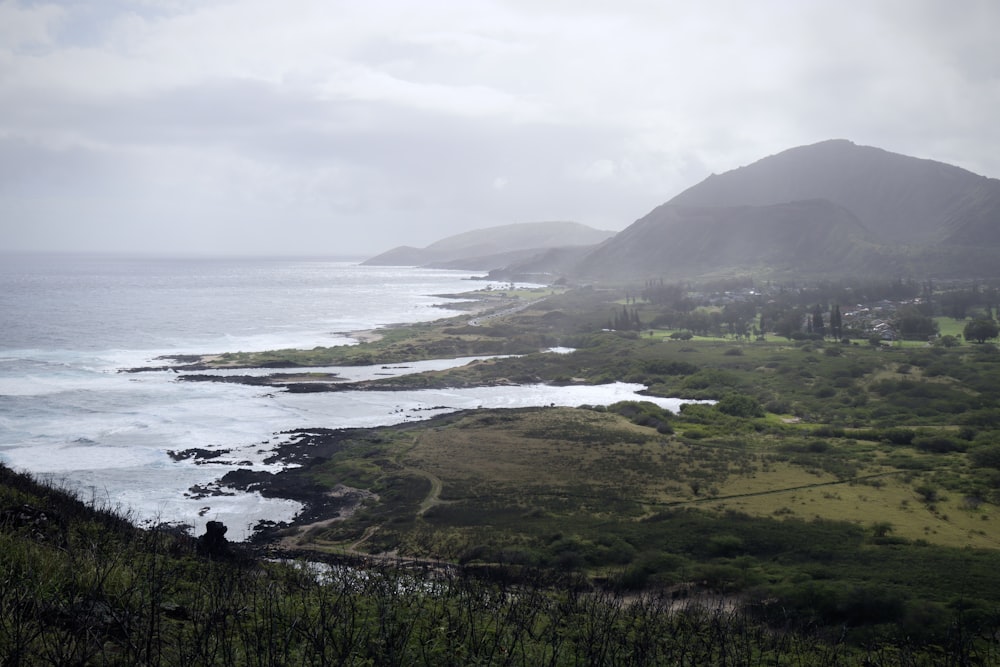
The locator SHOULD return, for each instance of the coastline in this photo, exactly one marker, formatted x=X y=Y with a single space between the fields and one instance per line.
x=368 y=335
x=451 y=337
x=476 y=308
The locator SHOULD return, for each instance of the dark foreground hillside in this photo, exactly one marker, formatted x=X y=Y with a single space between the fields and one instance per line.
x=81 y=586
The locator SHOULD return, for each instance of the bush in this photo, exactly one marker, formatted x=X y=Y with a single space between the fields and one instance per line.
x=826 y=391
x=827 y=431
x=740 y=405
x=897 y=436
x=661 y=367
x=948 y=341
x=938 y=444
x=986 y=457
x=644 y=413
x=726 y=546
x=985 y=418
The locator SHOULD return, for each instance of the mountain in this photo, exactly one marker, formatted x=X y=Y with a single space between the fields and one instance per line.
x=494 y=246
x=688 y=240
x=829 y=209
x=902 y=200
x=815 y=236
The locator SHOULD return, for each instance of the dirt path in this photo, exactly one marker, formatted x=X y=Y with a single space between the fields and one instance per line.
x=356 y=498
x=297 y=542
x=433 y=496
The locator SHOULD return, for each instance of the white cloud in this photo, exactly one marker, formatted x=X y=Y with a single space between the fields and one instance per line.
x=391 y=118
x=27 y=27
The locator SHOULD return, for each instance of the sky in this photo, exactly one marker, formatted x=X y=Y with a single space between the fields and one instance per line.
x=334 y=127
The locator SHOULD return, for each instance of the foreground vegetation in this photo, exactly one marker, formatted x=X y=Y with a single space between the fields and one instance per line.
x=83 y=586
x=836 y=505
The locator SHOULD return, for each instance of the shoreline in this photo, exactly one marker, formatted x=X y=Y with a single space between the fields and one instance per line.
x=368 y=335
x=477 y=307
x=383 y=345
x=321 y=505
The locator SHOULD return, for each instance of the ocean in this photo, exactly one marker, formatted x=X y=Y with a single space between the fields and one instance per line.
x=69 y=324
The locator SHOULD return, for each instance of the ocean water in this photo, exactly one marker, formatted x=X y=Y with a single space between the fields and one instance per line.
x=68 y=324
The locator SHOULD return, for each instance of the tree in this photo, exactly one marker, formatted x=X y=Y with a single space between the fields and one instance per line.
x=788 y=324
x=914 y=325
x=836 y=322
x=817 y=321
x=981 y=330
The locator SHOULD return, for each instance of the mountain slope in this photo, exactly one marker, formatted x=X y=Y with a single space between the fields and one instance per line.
x=493 y=246
x=901 y=199
x=829 y=209
x=815 y=236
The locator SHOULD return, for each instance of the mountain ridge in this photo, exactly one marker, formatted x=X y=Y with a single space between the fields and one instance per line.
x=885 y=214
x=896 y=196
x=493 y=247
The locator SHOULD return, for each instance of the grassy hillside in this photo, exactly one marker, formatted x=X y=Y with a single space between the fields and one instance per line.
x=83 y=587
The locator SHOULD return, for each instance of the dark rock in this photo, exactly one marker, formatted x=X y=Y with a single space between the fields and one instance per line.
x=213 y=544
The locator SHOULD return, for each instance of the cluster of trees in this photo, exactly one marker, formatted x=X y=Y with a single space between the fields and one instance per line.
x=625 y=320
x=792 y=310
x=978 y=301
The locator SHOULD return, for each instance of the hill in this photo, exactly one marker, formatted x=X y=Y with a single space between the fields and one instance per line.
x=813 y=236
x=493 y=247
x=830 y=209
x=902 y=200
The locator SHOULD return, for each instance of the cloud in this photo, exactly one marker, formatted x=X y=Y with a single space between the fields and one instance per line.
x=256 y=126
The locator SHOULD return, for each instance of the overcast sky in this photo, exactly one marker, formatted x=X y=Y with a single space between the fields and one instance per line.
x=332 y=127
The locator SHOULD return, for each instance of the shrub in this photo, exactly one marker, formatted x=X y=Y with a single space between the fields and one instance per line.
x=938 y=444
x=740 y=405
x=948 y=341
x=710 y=378
x=826 y=391
x=927 y=493
x=986 y=457
x=644 y=413
x=726 y=546
x=985 y=418
x=661 y=367
x=897 y=436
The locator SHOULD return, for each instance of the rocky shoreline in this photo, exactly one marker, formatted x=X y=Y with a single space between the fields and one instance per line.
x=303 y=450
